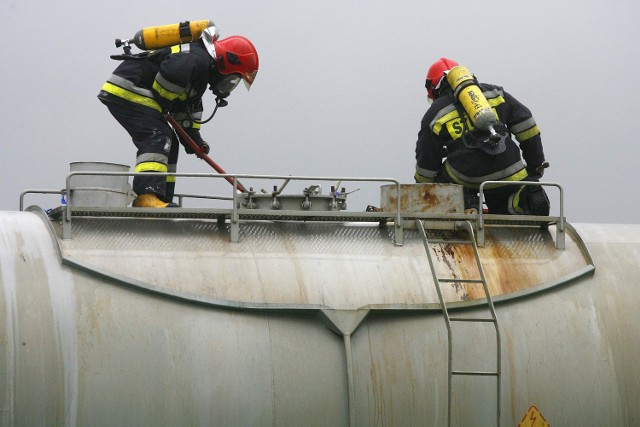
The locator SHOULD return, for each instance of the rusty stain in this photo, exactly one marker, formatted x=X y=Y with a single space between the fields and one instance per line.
x=443 y=198
x=510 y=263
x=454 y=257
x=430 y=199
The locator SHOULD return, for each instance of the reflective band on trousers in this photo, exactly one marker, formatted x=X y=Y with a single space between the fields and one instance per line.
x=151 y=167
x=152 y=157
x=421 y=179
x=513 y=204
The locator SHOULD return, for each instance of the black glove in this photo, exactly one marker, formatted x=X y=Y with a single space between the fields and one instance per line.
x=537 y=171
x=188 y=149
x=204 y=146
x=195 y=136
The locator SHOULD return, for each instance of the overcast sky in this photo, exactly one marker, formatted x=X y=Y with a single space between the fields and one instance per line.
x=340 y=90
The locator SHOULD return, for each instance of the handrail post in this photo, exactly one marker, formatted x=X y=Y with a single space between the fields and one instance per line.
x=66 y=214
x=398 y=239
x=235 y=216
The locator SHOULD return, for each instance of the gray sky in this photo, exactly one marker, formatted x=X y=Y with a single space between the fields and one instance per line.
x=340 y=91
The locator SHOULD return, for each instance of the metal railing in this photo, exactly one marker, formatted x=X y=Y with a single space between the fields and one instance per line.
x=397 y=216
x=560 y=228
x=236 y=197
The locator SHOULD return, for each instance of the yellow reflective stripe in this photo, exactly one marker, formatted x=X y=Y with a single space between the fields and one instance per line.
x=529 y=133
x=454 y=124
x=171 y=178
x=195 y=125
x=456 y=128
x=516 y=201
x=453 y=177
x=496 y=101
x=175 y=49
x=422 y=179
x=437 y=126
x=171 y=96
x=518 y=176
x=452 y=118
x=131 y=96
x=151 y=167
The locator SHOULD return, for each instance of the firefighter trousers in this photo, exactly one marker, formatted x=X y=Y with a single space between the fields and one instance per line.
x=157 y=145
x=507 y=199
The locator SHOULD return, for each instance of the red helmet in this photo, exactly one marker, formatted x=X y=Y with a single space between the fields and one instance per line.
x=436 y=75
x=237 y=55
x=233 y=55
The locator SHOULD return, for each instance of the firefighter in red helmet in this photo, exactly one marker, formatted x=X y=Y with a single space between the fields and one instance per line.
x=144 y=88
x=450 y=149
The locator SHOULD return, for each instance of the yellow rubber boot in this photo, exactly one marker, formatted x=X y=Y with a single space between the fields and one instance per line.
x=149 y=201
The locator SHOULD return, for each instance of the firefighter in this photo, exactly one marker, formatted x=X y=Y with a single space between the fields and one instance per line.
x=146 y=87
x=450 y=149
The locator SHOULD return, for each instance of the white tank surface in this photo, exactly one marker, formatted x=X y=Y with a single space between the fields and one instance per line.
x=166 y=319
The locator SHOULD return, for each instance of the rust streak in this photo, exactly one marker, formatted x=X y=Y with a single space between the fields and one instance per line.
x=430 y=199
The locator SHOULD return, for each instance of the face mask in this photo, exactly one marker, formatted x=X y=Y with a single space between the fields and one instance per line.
x=223 y=85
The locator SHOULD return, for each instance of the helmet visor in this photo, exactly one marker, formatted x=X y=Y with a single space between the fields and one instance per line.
x=224 y=85
x=433 y=89
x=248 y=79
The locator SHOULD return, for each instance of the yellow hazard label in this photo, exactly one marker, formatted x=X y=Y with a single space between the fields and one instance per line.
x=533 y=418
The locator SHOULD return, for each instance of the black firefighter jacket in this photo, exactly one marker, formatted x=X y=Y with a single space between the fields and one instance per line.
x=170 y=80
x=441 y=138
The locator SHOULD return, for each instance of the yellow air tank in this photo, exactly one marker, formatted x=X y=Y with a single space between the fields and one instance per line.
x=470 y=95
x=169 y=35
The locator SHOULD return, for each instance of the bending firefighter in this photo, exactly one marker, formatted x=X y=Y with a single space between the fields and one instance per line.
x=146 y=87
x=466 y=138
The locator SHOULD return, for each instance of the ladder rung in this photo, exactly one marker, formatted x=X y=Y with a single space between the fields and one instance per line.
x=447 y=280
x=472 y=319
x=479 y=373
x=453 y=242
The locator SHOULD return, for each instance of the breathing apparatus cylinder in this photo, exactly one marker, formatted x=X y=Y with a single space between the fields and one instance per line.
x=169 y=35
x=467 y=91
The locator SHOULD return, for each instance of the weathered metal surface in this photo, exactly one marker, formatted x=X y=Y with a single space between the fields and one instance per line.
x=440 y=198
x=341 y=266
x=95 y=347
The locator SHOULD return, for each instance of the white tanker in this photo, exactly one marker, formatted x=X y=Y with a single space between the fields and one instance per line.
x=291 y=310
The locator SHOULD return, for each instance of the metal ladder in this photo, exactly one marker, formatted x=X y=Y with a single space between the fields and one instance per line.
x=448 y=319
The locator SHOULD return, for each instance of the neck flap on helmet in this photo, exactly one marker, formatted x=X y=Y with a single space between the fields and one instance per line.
x=209 y=36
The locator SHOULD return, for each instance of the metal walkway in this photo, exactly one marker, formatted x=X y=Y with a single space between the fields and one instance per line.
x=243 y=209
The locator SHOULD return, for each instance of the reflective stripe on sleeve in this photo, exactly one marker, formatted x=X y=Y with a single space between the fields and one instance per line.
x=527 y=134
x=525 y=130
x=494 y=97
